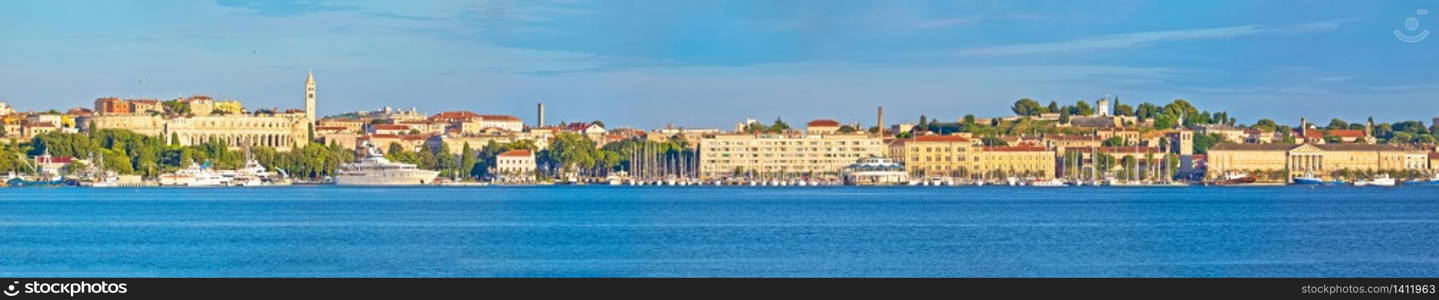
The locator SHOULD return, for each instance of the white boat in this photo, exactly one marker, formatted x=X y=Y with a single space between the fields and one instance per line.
x=374 y=169
x=1050 y=183
x=1381 y=180
x=1432 y=181
x=254 y=174
x=104 y=181
x=97 y=176
x=195 y=175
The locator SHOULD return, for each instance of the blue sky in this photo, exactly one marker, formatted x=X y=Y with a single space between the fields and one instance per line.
x=713 y=63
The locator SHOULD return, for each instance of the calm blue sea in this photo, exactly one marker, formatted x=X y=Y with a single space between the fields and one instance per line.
x=569 y=231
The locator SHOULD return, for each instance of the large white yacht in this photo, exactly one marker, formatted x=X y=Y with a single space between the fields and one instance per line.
x=254 y=174
x=374 y=169
x=195 y=175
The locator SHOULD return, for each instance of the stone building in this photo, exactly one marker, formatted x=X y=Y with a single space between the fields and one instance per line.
x=1319 y=159
x=282 y=131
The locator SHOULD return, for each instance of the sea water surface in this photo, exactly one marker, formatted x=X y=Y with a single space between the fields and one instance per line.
x=603 y=231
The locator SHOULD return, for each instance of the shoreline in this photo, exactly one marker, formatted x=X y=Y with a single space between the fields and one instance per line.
x=444 y=186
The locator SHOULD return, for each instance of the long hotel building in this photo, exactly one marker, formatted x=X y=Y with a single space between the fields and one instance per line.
x=818 y=151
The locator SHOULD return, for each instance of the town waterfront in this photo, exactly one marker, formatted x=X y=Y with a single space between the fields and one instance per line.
x=567 y=231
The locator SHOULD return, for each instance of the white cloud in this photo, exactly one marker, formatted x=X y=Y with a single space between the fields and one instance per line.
x=1140 y=39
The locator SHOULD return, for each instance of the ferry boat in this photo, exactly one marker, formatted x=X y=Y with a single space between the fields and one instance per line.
x=874 y=170
x=374 y=169
x=1381 y=180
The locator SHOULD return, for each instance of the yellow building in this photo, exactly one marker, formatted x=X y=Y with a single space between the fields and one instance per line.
x=935 y=155
x=776 y=155
x=1319 y=159
x=229 y=107
x=1024 y=161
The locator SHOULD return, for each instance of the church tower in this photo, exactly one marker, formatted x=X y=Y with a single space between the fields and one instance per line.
x=310 y=97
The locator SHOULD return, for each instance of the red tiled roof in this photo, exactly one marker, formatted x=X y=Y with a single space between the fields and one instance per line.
x=455 y=115
x=578 y=126
x=414 y=137
x=380 y=136
x=499 y=118
x=53 y=159
x=1074 y=138
x=824 y=123
x=1433 y=155
x=516 y=153
x=389 y=127
x=1014 y=148
x=940 y=138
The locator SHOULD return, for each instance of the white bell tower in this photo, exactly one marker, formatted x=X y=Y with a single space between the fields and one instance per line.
x=310 y=97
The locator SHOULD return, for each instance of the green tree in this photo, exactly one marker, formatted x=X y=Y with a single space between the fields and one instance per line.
x=1202 y=142
x=397 y=152
x=1081 y=108
x=1027 y=107
x=467 y=161
x=1265 y=125
x=778 y=126
x=1337 y=124
x=1123 y=110
x=1113 y=142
